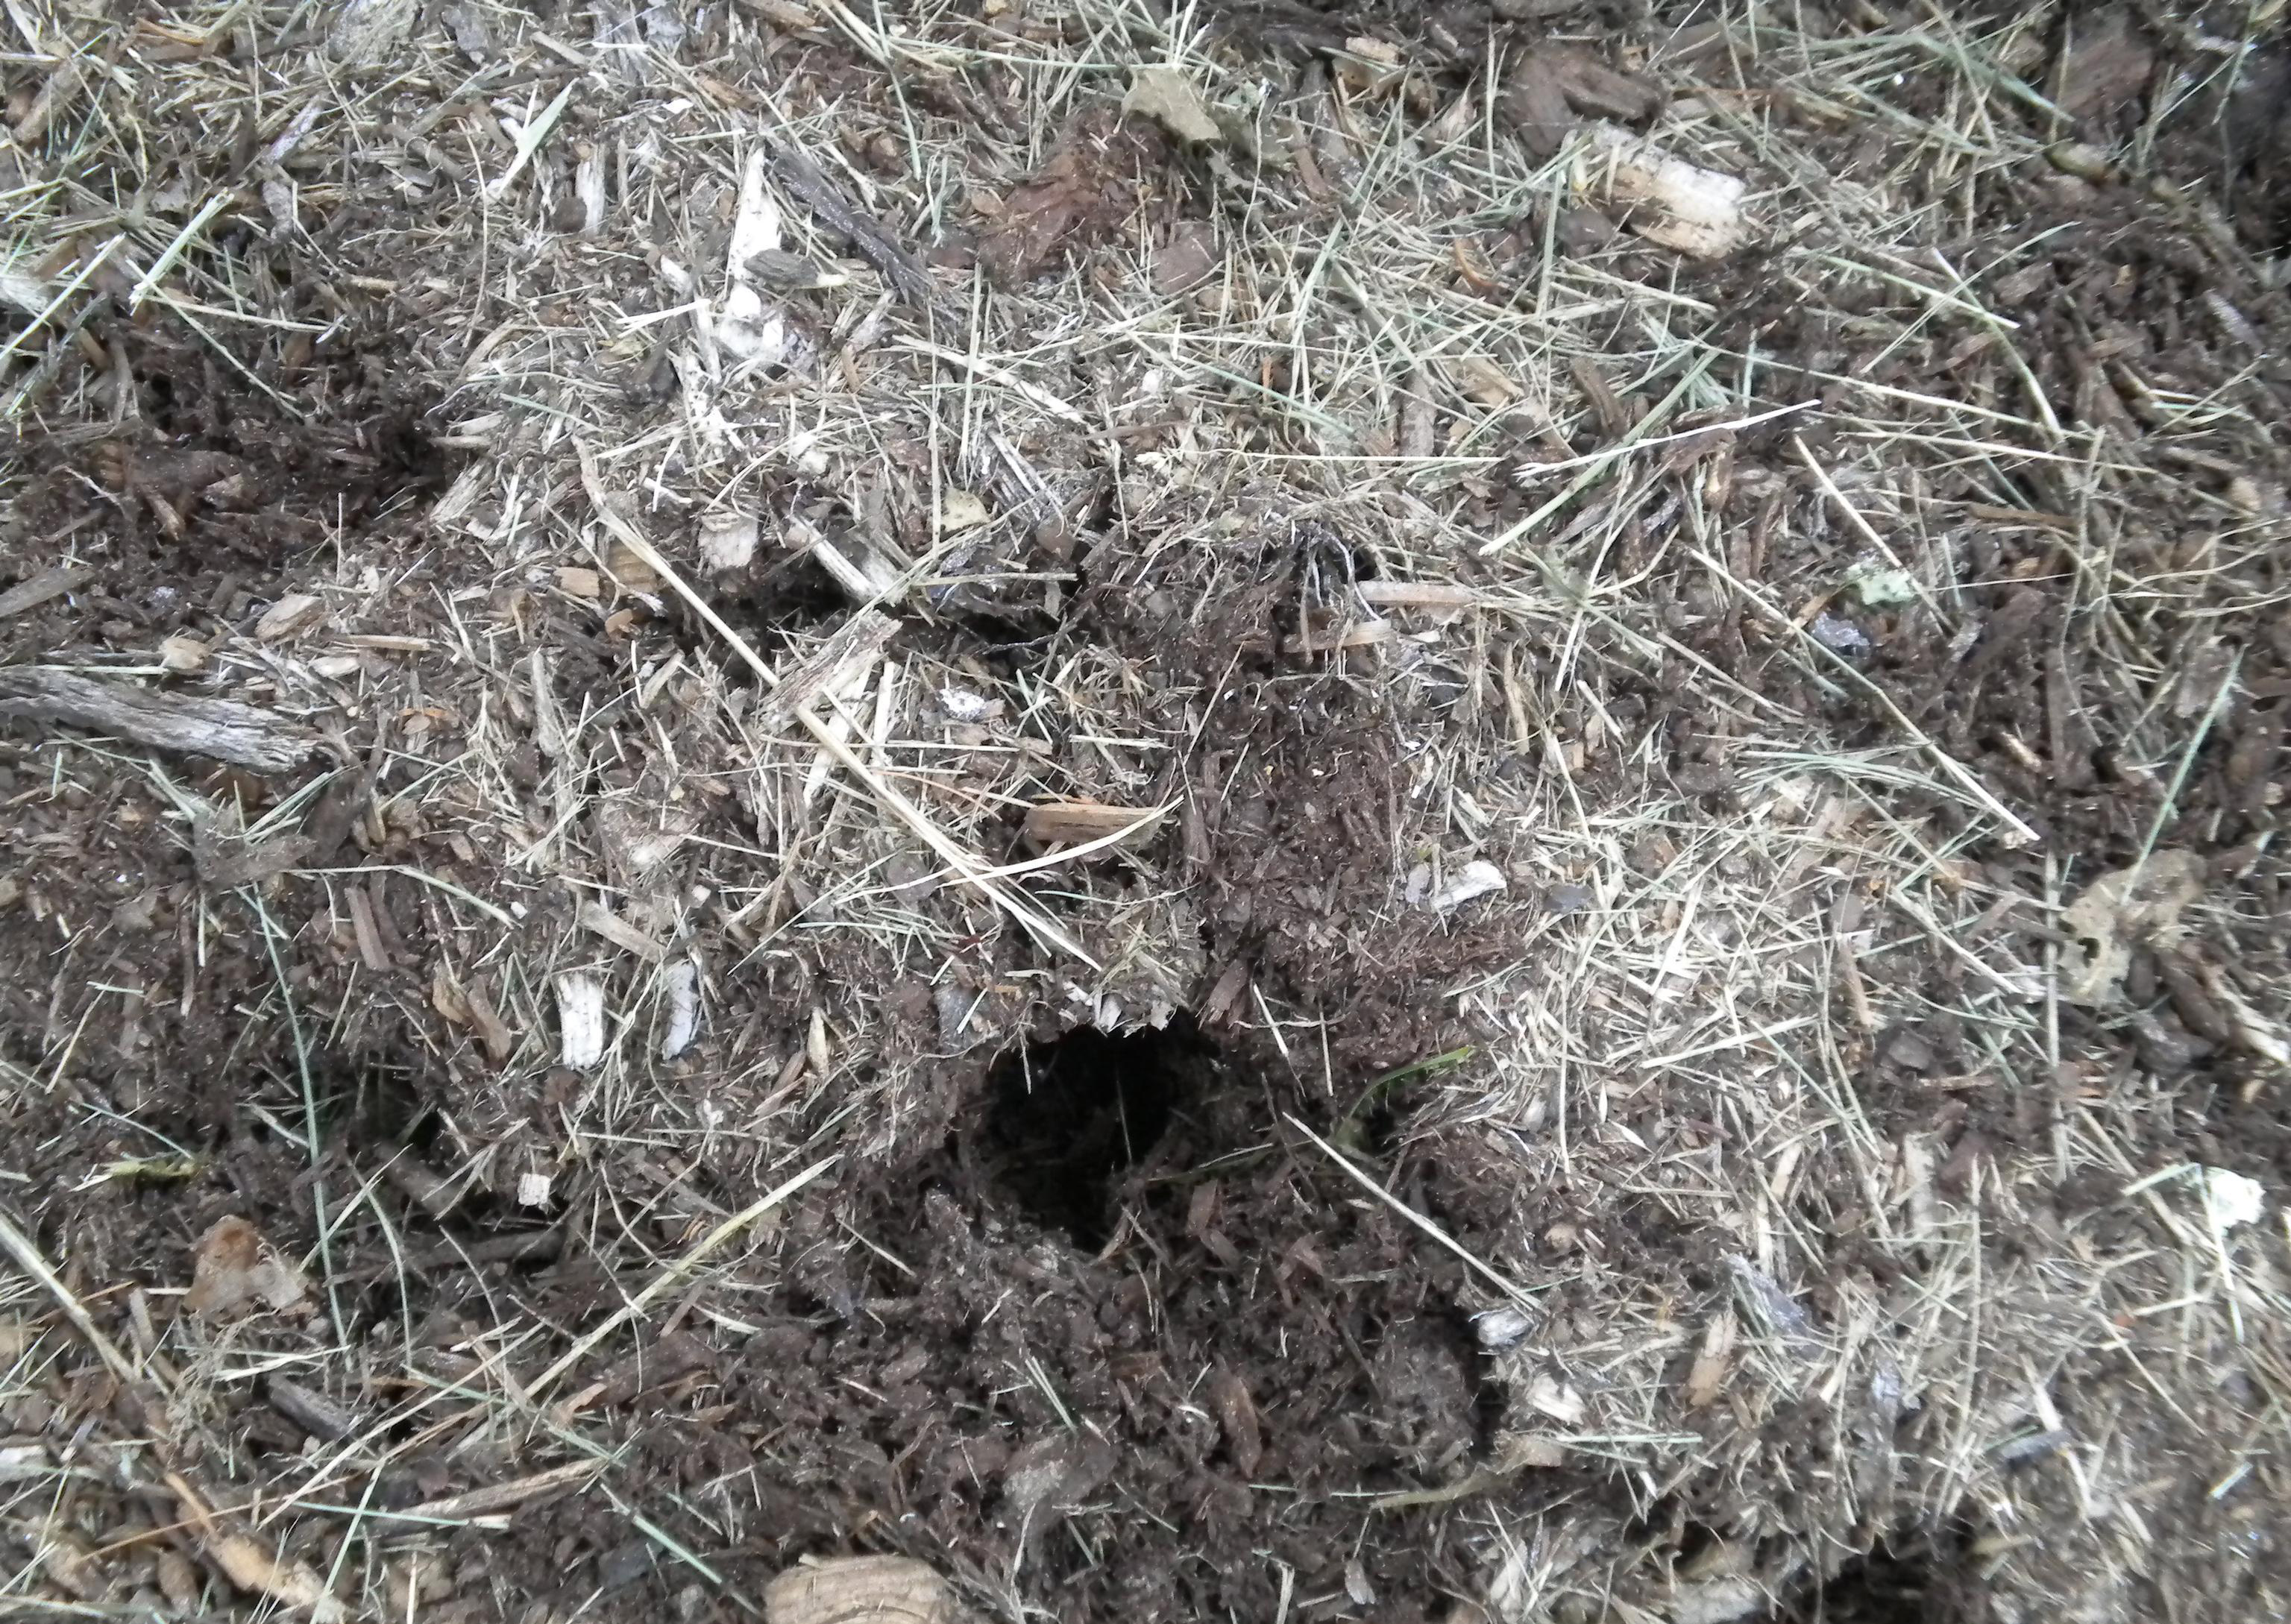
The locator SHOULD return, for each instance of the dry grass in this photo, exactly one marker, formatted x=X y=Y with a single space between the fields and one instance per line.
x=1767 y=1301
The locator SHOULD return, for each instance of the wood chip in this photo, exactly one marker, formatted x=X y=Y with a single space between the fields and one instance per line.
x=1364 y=633
x=52 y=583
x=508 y=1496
x=1187 y=260
x=681 y=994
x=1075 y=823
x=857 y=643
x=1672 y=203
x=291 y=616
x=1419 y=595
x=859 y=1590
x=2109 y=66
x=1236 y=1413
x=182 y=656
x=580 y=1020
x=251 y=1567
x=314 y=1412
x=866 y=235
x=596 y=917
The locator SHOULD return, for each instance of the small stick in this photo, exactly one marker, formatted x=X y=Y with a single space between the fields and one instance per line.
x=505 y=1496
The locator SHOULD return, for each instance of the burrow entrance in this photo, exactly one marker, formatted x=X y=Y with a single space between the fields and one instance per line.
x=1067 y=1118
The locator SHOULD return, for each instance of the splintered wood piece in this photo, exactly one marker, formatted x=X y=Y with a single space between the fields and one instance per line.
x=853 y=645
x=1350 y=634
x=859 y=1590
x=1074 y=823
x=241 y=736
x=1419 y=595
x=866 y=235
x=1672 y=203
x=52 y=583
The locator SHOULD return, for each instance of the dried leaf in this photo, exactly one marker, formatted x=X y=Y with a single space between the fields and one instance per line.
x=234 y=1271
x=1164 y=94
x=2123 y=910
x=250 y=1567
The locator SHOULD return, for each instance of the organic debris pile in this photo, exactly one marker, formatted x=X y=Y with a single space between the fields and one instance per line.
x=1046 y=809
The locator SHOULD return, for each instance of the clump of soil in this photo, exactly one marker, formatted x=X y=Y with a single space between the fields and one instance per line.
x=1125 y=1289
x=205 y=475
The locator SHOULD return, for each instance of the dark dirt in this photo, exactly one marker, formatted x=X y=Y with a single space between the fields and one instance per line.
x=1123 y=1341
x=203 y=498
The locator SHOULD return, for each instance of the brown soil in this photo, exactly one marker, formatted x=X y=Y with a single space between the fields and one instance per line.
x=1120 y=1340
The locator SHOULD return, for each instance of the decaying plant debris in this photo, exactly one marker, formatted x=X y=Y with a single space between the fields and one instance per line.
x=1263 y=815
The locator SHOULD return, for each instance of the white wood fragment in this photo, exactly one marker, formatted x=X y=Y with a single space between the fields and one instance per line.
x=748 y=330
x=596 y=917
x=681 y=990
x=580 y=1020
x=1676 y=204
x=1501 y=1328
x=1547 y=1395
x=728 y=541
x=756 y=227
x=1419 y=595
x=589 y=187
x=291 y=616
x=2234 y=1200
x=1474 y=878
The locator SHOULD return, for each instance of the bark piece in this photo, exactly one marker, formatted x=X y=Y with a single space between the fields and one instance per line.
x=242 y=735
